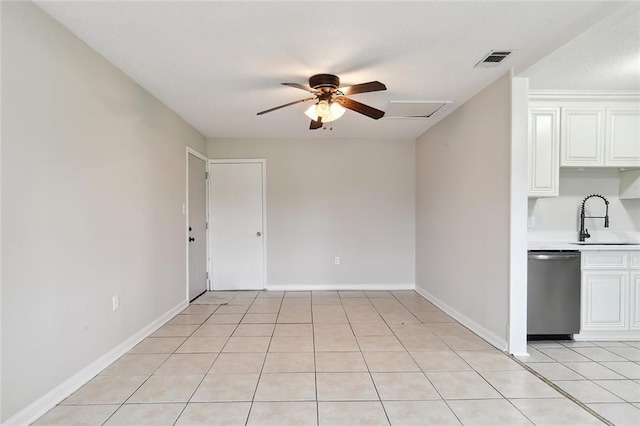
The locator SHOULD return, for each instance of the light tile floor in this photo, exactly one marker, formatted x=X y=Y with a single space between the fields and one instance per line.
x=605 y=376
x=335 y=358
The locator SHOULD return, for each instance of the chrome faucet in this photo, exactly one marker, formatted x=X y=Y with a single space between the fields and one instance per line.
x=584 y=233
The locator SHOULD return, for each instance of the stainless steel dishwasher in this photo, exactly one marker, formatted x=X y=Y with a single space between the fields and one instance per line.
x=553 y=293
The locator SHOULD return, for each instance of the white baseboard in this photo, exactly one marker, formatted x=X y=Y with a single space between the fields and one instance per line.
x=40 y=407
x=343 y=287
x=487 y=335
x=604 y=336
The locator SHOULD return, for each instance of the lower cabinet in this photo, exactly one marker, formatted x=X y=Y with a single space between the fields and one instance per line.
x=610 y=295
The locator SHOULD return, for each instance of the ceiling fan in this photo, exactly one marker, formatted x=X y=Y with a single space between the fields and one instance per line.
x=331 y=99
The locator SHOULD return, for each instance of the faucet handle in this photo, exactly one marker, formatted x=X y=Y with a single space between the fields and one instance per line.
x=586 y=233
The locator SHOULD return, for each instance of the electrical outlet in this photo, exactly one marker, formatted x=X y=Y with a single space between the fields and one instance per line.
x=115 y=301
x=531 y=222
x=337 y=260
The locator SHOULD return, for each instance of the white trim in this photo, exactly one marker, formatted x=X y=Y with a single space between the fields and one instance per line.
x=607 y=336
x=517 y=325
x=487 y=335
x=344 y=287
x=263 y=163
x=38 y=408
x=186 y=214
x=583 y=95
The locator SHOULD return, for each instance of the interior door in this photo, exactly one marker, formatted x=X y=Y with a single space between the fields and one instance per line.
x=197 y=226
x=237 y=250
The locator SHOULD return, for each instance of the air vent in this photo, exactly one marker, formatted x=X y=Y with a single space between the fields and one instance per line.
x=493 y=59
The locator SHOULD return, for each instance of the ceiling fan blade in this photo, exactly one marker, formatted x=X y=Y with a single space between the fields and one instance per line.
x=285 y=105
x=360 y=107
x=372 y=86
x=315 y=124
x=299 y=86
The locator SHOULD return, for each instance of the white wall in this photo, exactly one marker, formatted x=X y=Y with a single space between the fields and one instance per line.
x=463 y=212
x=93 y=183
x=335 y=197
x=561 y=215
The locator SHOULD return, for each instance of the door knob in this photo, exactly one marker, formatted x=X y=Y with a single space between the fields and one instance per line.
x=191 y=239
x=258 y=233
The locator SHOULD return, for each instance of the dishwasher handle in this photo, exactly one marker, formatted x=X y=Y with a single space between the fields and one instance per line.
x=553 y=256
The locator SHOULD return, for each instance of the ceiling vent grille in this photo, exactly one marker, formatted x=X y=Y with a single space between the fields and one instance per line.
x=493 y=59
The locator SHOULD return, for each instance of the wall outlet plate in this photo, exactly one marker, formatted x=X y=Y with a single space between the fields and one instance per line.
x=115 y=302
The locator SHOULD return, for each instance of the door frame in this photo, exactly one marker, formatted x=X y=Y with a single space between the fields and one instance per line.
x=263 y=162
x=185 y=211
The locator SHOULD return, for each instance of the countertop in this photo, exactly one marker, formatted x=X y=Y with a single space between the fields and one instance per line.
x=559 y=245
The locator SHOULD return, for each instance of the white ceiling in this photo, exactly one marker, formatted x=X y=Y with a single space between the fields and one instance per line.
x=218 y=63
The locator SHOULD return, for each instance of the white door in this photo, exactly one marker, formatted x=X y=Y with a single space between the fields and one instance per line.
x=197 y=226
x=237 y=250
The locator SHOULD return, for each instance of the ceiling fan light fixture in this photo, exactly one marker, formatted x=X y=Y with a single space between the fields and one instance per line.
x=328 y=111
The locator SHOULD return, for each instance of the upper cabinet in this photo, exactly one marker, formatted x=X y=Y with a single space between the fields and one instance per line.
x=622 y=137
x=580 y=130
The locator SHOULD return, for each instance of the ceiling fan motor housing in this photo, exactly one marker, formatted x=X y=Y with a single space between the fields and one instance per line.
x=324 y=82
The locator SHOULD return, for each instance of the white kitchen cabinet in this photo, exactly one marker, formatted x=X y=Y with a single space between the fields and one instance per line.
x=622 y=146
x=543 y=151
x=610 y=295
x=634 y=285
x=604 y=300
x=582 y=137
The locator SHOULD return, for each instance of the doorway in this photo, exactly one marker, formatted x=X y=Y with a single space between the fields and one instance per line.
x=238 y=240
x=196 y=224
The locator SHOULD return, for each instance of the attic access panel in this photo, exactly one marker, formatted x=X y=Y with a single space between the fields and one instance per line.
x=413 y=109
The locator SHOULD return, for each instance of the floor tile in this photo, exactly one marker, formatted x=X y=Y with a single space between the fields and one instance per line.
x=345 y=387
x=555 y=411
x=202 y=344
x=599 y=354
x=199 y=309
x=555 y=371
x=293 y=330
x=368 y=413
x=214 y=414
x=586 y=391
x=419 y=342
x=535 y=356
x=259 y=319
x=166 y=389
x=247 y=362
x=440 y=361
x=214 y=330
x=146 y=414
x=224 y=319
x=419 y=413
x=286 y=387
x=371 y=330
x=332 y=330
x=289 y=362
x=226 y=387
x=628 y=390
x=247 y=344
x=232 y=309
x=379 y=344
x=291 y=344
x=77 y=415
x=390 y=361
x=564 y=355
x=628 y=353
x=175 y=330
x=283 y=414
x=135 y=364
x=629 y=370
x=187 y=364
x=158 y=345
x=189 y=319
x=592 y=370
x=489 y=360
x=620 y=414
x=466 y=343
x=335 y=343
x=404 y=386
x=340 y=362
x=519 y=384
x=461 y=385
x=106 y=390
x=254 y=330
x=488 y=412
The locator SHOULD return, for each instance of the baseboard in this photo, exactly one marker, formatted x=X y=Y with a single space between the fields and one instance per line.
x=487 y=335
x=40 y=407
x=604 y=336
x=343 y=287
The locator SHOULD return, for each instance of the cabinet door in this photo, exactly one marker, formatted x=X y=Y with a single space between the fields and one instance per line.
x=604 y=300
x=543 y=152
x=634 y=305
x=582 y=137
x=622 y=143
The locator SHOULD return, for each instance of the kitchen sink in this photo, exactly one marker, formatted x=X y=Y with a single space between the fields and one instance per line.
x=590 y=243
